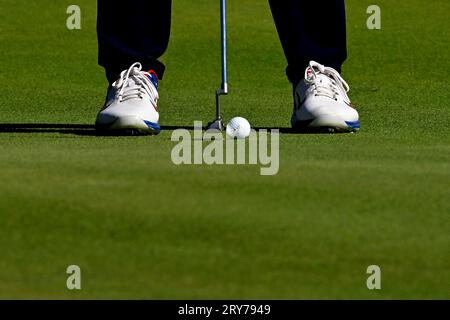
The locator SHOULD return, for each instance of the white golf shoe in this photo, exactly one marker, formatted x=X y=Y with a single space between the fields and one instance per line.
x=321 y=102
x=131 y=104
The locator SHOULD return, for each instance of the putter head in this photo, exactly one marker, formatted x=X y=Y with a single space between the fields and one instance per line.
x=216 y=125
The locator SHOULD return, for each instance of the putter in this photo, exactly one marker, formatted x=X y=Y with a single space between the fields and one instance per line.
x=218 y=124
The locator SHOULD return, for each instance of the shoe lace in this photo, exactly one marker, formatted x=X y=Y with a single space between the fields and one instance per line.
x=143 y=86
x=331 y=89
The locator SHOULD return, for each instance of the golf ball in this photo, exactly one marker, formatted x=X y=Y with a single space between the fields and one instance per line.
x=238 y=127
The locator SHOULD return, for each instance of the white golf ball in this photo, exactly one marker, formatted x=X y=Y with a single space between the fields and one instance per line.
x=238 y=127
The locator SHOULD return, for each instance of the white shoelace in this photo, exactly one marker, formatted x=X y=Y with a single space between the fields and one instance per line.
x=143 y=86
x=332 y=88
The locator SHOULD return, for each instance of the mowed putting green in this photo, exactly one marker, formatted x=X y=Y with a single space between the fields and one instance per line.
x=141 y=227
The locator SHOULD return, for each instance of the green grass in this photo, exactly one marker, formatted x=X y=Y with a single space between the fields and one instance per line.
x=141 y=227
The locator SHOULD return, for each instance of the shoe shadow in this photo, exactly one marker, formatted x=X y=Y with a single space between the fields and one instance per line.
x=289 y=130
x=45 y=128
x=89 y=130
x=62 y=128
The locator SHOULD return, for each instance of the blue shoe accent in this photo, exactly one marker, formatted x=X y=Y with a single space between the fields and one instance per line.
x=152 y=77
x=154 y=126
x=353 y=124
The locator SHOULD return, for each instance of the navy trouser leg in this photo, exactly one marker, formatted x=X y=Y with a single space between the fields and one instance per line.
x=132 y=31
x=310 y=30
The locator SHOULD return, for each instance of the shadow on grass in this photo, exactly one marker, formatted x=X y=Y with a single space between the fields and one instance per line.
x=76 y=129
x=89 y=130
x=45 y=128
